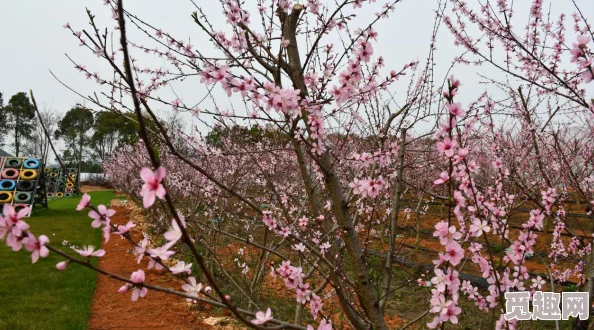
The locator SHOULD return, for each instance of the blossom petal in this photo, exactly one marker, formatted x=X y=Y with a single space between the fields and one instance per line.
x=160 y=174
x=146 y=174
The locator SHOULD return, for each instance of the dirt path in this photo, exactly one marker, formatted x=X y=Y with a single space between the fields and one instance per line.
x=87 y=188
x=158 y=310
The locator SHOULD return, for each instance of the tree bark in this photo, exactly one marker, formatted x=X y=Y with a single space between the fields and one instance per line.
x=363 y=285
x=395 y=208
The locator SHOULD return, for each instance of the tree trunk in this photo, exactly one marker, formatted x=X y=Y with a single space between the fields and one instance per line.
x=395 y=208
x=583 y=324
x=80 y=147
x=16 y=136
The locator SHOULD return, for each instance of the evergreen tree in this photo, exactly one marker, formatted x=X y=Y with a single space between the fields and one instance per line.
x=17 y=121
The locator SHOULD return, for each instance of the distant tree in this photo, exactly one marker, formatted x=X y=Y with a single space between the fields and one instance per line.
x=111 y=130
x=85 y=166
x=252 y=134
x=73 y=129
x=69 y=159
x=2 y=122
x=175 y=125
x=17 y=120
x=38 y=145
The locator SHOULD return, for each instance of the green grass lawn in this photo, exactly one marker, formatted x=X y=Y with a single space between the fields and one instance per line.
x=37 y=296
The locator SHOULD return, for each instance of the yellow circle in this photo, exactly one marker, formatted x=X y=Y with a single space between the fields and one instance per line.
x=60 y=194
x=69 y=185
x=28 y=174
x=7 y=199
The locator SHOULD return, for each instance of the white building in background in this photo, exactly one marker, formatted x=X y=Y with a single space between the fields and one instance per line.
x=93 y=177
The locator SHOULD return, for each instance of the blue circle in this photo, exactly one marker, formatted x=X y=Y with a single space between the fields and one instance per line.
x=31 y=163
x=3 y=186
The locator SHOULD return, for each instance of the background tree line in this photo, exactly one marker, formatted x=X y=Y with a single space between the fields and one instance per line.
x=88 y=137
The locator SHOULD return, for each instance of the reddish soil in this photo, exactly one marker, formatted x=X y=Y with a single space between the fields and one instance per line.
x=158 y=310
x=86 y=188
x=111 y=310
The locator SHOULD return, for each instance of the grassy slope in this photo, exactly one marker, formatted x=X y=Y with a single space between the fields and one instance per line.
x=38 y=296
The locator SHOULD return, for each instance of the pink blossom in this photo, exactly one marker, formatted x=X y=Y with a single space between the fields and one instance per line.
x=106 y=231
x=455 y=83
x=104 y=214
x=124 y=229
x=84 y=202
x=364 y=51
x=285 y=269
x=152 y=186
x=62 y=265
x=538 y=282
x=303 y=293
x=443 y=178
x=315 y=305
x=439 y=280
x=37 y=246
x=262 y=318
x=303 y=221
x=324 y=247
x=12 y=219
x=450 y=311
x=324 y=325
x=295 y=278
x=435 y=323
x=583 y=40
x=477 y=227
x=298 y=247
x=456 y=109
x=454 y=253
x=459 y=198
x=285 y=232
x=446 y=234
x=192 y=288
x=161 y=253
x=446 y=147
x=536 y=220
x=269 y=220
x=136 y=277
x=141 y=249
x=174 y=233
x=139 y=293
x=181 y=267
x=89 y=251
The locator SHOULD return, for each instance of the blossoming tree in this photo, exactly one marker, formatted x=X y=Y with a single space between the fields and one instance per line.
x=335 y=167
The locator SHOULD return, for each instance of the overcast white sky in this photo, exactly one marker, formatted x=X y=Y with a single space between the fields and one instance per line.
x=33 y=41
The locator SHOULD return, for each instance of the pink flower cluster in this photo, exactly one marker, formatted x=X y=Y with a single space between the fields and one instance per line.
x=16 y=232
x=293 y=278
x=152 y=186
x=101 y=217
x=368 y=187
x=285 y=100
x=212 y=74
x=581 y=54
x=13 y=227
x=138 y=289
x=548 y=198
